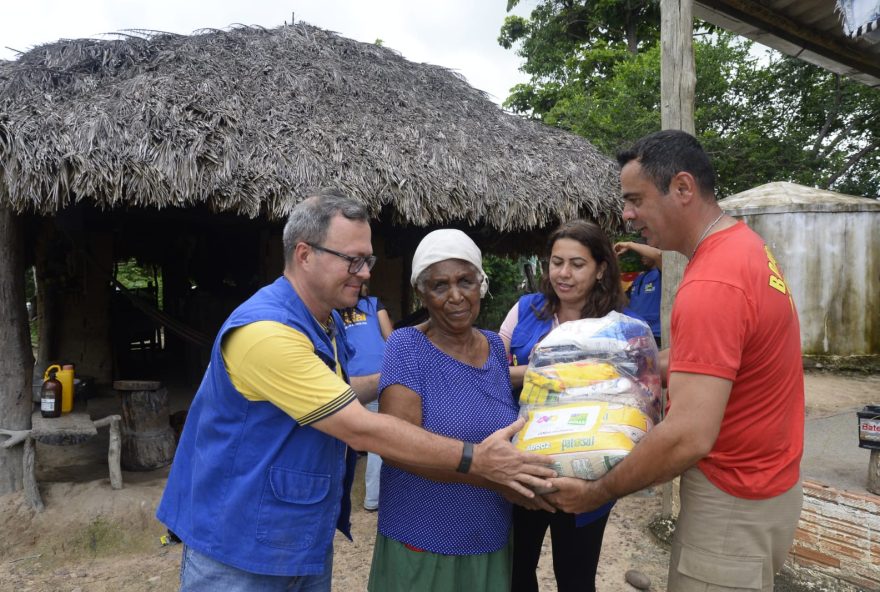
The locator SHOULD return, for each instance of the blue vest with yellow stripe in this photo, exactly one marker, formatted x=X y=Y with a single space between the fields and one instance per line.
x=249 y=486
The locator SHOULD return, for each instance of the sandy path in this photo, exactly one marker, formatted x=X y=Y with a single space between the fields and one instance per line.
x=93 y=539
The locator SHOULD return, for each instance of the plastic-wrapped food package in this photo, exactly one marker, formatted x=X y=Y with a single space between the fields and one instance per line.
x=590 y=393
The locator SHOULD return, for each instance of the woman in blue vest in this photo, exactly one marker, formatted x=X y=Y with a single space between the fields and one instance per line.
x=367 y=326
x=582 y=280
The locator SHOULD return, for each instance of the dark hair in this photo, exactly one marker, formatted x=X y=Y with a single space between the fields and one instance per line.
x=310 y=218
x=607 y=294
x=665 y=154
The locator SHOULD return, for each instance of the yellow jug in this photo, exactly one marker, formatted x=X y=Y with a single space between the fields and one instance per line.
x=65 y=377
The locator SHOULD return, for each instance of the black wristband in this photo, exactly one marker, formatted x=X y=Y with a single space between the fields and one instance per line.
x=467 y=455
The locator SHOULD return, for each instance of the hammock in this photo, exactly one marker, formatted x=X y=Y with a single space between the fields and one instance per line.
x=177 y=327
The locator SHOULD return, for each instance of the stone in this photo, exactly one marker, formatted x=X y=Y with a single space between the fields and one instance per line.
x=637 y=579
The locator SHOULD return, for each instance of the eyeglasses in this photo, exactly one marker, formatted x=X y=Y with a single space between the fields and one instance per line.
x=355 y=264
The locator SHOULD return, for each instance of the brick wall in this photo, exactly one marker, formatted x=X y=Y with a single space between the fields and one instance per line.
x=839 y=534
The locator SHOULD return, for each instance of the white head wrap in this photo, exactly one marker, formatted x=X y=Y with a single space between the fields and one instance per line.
x=448 y=243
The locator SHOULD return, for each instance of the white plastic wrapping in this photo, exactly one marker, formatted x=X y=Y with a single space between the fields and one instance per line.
x=590 y=393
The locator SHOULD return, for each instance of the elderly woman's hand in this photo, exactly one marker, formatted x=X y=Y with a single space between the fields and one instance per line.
x=497 y=460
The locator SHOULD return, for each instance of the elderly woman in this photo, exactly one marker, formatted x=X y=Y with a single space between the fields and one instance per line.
x=443 y=530
x=582 y=281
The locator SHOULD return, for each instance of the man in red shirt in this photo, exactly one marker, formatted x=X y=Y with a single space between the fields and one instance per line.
x=735 y=425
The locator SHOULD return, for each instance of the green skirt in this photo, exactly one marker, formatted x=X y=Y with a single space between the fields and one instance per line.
x=398 y=569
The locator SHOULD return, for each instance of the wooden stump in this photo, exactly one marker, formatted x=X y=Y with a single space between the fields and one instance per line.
x=31 y=491
x=113 y=450
x=147 y=437
x=874 y=472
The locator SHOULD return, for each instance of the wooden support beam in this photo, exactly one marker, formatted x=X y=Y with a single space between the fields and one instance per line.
x=15 y=437
x=29 y=461
x=16 y=359
x=114 y=452
x=678 y=81
x=678 y=77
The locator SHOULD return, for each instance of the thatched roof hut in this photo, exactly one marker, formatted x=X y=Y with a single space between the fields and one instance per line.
x=247 y=120
x=186 y=152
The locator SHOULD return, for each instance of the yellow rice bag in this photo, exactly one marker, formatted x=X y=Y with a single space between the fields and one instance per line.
x=586 y=438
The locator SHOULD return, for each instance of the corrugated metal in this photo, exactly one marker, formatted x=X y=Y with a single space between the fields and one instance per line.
x=807 y=29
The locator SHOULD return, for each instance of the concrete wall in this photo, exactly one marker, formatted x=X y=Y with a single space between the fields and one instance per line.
x=831 y=263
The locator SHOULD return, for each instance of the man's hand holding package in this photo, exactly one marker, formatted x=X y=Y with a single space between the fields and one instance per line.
x=577 y=495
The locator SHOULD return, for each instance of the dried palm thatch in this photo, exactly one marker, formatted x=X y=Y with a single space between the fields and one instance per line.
x=250 y=119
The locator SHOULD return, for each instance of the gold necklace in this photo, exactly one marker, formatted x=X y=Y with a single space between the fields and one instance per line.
x=705 y=232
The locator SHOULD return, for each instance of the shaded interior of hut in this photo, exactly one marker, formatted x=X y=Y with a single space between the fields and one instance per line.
x=193 y=266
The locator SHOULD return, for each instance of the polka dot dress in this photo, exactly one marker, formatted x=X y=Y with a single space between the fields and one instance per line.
x=461 y=402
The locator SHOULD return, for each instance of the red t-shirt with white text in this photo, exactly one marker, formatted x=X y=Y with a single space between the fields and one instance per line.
x=734 y=318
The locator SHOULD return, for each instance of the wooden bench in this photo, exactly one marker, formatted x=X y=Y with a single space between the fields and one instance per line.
x=72 y=428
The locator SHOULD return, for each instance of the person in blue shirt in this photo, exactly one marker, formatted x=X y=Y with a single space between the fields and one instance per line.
x=367 y=326
x=644 y=294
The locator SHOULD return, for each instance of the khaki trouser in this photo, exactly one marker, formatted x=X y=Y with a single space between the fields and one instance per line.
x=725 y=543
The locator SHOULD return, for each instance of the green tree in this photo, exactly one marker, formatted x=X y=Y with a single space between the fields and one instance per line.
x=761 y=119
x=505 y=287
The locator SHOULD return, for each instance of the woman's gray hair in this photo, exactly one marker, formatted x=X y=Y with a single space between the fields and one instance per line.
x=310 y=218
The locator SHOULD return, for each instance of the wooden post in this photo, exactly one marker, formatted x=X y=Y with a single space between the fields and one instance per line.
x=113 y=452
x=47 y=301
x=874 y=472
x=16 y=359
x=677 y=83
x=31 y=491
x=677 y=72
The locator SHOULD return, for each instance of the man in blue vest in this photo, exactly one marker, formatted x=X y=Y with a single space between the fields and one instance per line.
x=263 y=470
x=644 y=293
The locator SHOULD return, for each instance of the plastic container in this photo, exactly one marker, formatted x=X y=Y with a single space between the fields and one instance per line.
x=590 y=393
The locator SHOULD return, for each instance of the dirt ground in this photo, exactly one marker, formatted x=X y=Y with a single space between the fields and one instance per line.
x=91 y=538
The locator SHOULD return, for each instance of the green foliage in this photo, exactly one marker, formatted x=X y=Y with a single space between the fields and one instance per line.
x=773 y=119
x=134 y=276
x=506 y=285
x=629 y=261
x=30 y=296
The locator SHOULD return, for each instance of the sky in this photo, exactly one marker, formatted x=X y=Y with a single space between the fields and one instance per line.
x=458 y=34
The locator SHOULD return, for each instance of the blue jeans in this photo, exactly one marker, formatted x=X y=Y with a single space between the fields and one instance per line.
x=200 y=573
x=374 y=469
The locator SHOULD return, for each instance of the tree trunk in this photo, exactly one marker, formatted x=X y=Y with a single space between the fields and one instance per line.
x=632 y=35
x=16 y=359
